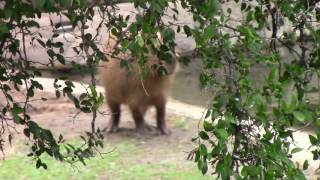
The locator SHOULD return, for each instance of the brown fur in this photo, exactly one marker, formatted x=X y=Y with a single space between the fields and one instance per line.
x=121 y=87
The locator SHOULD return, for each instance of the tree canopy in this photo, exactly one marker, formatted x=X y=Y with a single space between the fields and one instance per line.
x=248 y=127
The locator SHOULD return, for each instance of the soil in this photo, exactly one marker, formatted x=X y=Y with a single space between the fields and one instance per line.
x=61 y=117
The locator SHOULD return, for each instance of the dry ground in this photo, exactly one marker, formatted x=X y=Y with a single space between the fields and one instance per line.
x=158 y=153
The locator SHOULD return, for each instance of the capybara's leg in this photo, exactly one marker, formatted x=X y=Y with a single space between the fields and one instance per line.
x=115 y=116
x=138 y=116
x=160 y=103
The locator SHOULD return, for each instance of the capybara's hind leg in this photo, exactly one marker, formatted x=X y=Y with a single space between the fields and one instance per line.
x=160 y=103
x=115 y=116
x=138 y=116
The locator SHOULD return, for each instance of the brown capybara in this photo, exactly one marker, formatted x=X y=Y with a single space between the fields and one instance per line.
x=129 y=88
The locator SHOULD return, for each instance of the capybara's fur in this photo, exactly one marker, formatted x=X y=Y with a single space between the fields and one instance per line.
x=123 y=87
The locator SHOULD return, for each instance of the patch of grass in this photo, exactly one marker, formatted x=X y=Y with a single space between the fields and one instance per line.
x=161 y=171
x=21 y=167
x=122 y=163
x=182 y=123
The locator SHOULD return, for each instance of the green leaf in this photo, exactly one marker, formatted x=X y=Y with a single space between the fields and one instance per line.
x=80 y=3
x=93 y=90
x=200 y=164
x=299 y=116
x=203 y=150
x=211 y=8
x=8 y=12
x=295 y=150
x=44 y=166
x=203 y=135
x=60 y=138
x=58 y=93
x=40 y=3
x=207 y=126
x=168 y=34
x=313 y=140
x=16 y=109
x=26 y=132
x=229 y=10
x=69 y=83
x=30 y=92
x=208 y=113
x=86 y=103
x=208 y=32
x=305 y=165
x=33 y=23
x=154 y=42
x=223 y=134
x=88 y=36
x=38 y=164
x=65 y=2
x=243 y=6
x=85 y=109
x=204 y=168
x=61 y=59
x=140 y=41
x=100 y=99
x=229 y=118
x=187 y=30
x=293 y=104
x=250 y=16
x=33 y=127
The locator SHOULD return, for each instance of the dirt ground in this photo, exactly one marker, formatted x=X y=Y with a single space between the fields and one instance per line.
x=61 y=116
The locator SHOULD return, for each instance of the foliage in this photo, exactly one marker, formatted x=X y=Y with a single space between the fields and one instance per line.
x=248 y=129
x=19 y=25
x=248 y=132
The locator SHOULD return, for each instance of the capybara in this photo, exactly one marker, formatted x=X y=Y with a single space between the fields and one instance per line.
x=123 y=86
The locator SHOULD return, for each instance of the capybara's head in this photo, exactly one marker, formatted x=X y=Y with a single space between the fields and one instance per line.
x=158 y=63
